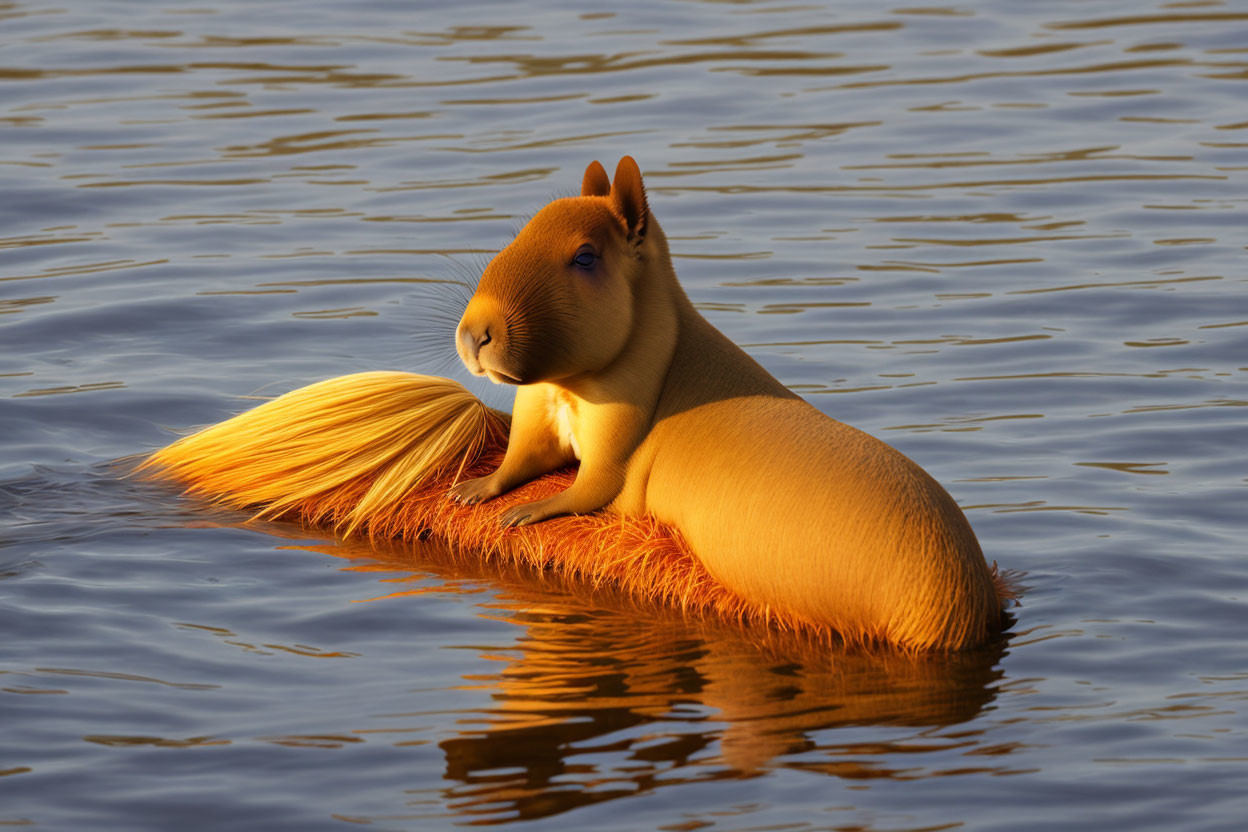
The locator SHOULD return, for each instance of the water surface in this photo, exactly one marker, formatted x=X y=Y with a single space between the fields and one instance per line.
x=1007 y=238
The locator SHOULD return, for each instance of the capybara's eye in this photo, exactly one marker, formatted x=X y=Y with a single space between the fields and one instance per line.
x=585 y=258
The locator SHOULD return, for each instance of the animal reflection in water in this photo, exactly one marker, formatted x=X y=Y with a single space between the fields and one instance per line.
x=673 y=701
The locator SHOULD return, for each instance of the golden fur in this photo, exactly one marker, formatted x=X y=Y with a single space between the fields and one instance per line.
x=789 y=509
x=724 y=493
x=380 y=435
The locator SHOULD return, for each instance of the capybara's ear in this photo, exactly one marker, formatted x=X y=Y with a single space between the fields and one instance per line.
x=595 y=182
x=629 y=197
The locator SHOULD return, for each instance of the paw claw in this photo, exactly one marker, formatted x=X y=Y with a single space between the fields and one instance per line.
x=515 y=516
x=526 y=514
x=472 y=492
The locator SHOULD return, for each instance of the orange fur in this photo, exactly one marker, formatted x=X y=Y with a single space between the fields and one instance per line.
x=376 y=453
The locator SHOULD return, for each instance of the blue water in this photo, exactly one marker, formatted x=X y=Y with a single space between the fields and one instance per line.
x=1007 y=238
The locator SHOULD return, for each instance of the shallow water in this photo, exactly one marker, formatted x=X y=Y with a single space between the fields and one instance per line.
x=1007 y=238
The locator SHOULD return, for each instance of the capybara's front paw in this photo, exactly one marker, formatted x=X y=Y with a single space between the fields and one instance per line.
x=471 y=492
x=526 y=514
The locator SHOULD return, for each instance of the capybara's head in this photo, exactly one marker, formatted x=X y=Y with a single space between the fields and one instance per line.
x=558 y=301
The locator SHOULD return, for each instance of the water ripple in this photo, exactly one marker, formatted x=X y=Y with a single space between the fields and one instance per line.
x=1008 y=238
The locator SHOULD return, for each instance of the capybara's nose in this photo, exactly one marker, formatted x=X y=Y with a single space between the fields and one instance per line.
x=470 y=339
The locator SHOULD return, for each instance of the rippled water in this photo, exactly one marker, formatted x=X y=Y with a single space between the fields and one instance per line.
x=1008 y=238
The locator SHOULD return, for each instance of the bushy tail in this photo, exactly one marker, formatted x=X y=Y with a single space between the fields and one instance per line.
x=395 y=431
